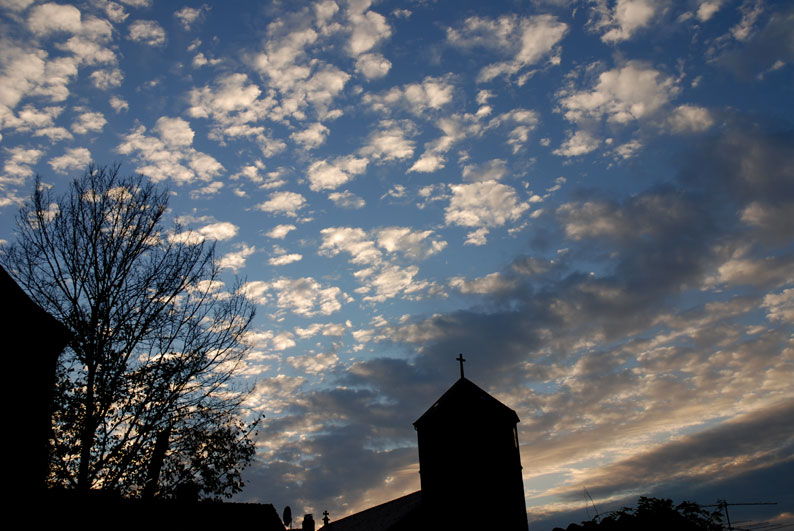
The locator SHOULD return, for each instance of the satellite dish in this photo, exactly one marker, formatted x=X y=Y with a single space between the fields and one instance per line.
x=287 y=517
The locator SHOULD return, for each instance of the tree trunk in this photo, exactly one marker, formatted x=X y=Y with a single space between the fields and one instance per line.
x=156 y=463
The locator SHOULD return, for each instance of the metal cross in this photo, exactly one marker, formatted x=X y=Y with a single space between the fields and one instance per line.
x=325 y=518
x=461 y=359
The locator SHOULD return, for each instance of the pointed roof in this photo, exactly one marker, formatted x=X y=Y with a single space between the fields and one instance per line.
x=466 y=400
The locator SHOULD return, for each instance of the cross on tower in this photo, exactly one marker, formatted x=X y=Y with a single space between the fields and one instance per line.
x=461 y=359
x=325 y=518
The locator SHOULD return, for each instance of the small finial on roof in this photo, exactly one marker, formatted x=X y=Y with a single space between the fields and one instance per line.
x=461 y=359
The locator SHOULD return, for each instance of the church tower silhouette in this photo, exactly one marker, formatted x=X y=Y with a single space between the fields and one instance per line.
x=469 y=466
x=469 y=461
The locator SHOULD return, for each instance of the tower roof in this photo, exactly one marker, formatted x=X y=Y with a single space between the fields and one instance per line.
x=466 y=401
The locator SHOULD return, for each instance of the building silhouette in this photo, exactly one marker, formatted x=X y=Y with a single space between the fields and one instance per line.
x=32 y=342
x=469 y=465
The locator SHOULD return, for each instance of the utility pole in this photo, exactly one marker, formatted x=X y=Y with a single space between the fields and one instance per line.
x=723 y=504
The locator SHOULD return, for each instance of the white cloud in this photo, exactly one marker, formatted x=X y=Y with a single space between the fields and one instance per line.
x=51 y=18
x=279 y=232
x=89 y=122
x=283 y=341
x=491 y=283
x=329 y=176
x=169 y=155
x=631 y=92
x=623 y=95
x=592 y=219
x=54 y=133
x=363 y=247
x=235 y=260
x=690 y=118
x=285 y=259
x=307 y=297
x=236 y=109
x=429 y=162
x=222 y=230
x=381 y=278
x=284 y=202
x=119 y=104
x=147 y=32
x=629 y=149
x=627 y=17
x=16 y=5
x=389 y=142
x=73 y=159
x=780 y=306
x=311 y=137
x=483 y=204
x=738 y=270
x=456 y=128
x=417 y=98
x=175 y=132
x=347 y=200
x=16 y=170
x=29 y=72
x=233 y=101
x=354 y=241
x=301 y=83
x=316 y=364
x=368 y=29
x=32 y=118
x=256 y=291
x=477 y=237
x=210 y=189
x=372 y=65
x=188 y=15
x=525 y=40
x=23 y=72
x=393 y=280
x=750 y=10
x=410 y=243
x=328 y=330
x=137 y=3
x=115 y=12
x=107 y=78
x=492 y=170
x=708 y=8
x=577 y=144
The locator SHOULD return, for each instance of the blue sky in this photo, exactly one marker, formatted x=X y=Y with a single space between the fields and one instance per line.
x=592 y=200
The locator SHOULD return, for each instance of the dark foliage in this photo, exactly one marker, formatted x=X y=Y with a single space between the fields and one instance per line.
x=655 y=514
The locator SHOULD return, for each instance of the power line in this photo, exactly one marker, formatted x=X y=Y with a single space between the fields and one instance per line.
x=723 y=504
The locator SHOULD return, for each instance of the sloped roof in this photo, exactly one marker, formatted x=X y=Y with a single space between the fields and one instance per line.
x=402 y=513
x=466 y=400
x=26 y=319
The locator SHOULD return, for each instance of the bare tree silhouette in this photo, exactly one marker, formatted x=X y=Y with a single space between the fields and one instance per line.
x=144 y=401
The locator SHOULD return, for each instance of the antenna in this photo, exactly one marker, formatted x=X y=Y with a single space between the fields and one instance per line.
x=588 y=497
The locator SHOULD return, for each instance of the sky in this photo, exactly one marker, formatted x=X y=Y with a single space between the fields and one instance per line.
x=593 y=201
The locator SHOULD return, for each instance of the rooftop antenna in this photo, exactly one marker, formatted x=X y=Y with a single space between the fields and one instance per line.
x=588 y=497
